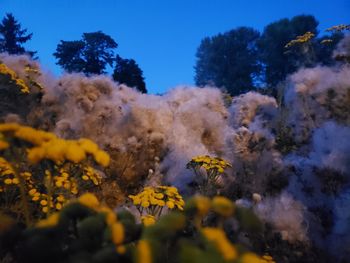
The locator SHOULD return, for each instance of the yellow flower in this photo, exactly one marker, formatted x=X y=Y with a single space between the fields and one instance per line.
x=43 y=202
x=60 y=198
x=218 y=237
x=51 y=221
x=58 y=206
x=3 y=145
x=117 y=233
x=145 y=204
x=8 y=127
x=102 y=158
x=8 y=181
x=202 y=204
x=267 y=259
x=74 y=190
x=7 y=71
x=148 y=220
x=15 y=181
x=28 y=134
x=36 y=154
x=111 y=217
x=159 y=195
x=136 y=200
x=161 y=203
x=144 y=253
x=223 y=206
x=170 y=204
x=88 y=145
x=32 y=191
x=74 y=153
x=89 y=200
x=250 y=258
x=55 y=150
x=121 y=249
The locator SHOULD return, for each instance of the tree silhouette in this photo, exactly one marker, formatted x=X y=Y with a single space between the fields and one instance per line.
x=277 y=60
x=228 y=60
x=128 y=72
x=12 y=36
x=90 y=55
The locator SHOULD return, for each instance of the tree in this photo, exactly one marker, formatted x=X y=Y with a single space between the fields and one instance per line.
x=229 y=60
x=90 y=55
x=128 y=72
x=278 y=61
x=325 y=47
x=12 y=36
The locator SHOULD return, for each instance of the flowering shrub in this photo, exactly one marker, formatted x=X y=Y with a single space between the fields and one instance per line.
x=87 y=231
x=4 y=70
x=209 y=171
x=44 y=170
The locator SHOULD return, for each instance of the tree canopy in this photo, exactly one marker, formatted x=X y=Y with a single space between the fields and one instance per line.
x=12 y=36
x=128 y=72
x=229 y=60
x=277 y=60
x=90 y=55
x=241 y=59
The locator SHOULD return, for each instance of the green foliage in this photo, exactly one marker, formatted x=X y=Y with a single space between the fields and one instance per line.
x=90 y=55
x=229 y=60
x=129 y=73
x=83 y=232
x=12 y=36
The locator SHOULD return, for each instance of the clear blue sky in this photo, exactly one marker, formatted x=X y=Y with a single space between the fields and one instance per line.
x=161 y=35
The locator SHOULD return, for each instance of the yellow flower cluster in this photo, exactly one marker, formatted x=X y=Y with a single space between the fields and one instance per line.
x=91 y=174
x=8 y=177
x=218 y=238
x=63 y=180
x=219 y=204
x=30 y=73
x=148 y=220
x=48 y=146
x=338 y=28
x=45 y=202
x=209 y=163
x=223 y=206
x=19 y=82
x=158 y=196
x=300 y=39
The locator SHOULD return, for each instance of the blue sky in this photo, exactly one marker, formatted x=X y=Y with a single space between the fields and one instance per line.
x=161 y=35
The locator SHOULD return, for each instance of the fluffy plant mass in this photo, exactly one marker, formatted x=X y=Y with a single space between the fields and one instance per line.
x=94 y=171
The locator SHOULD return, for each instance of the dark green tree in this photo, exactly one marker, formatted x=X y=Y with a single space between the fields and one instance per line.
x=229 y=60
x=12 y=37
x=279 y=61
x=128 y=72
x=90 y=55
x=325 y=46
